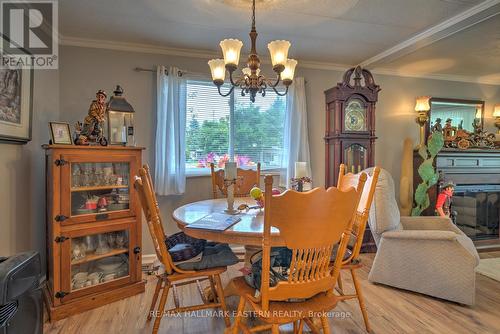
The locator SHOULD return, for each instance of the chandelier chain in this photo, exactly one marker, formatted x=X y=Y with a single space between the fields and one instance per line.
x=253 y=15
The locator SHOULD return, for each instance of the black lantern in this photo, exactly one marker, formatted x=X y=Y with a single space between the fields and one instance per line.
x=120 y=120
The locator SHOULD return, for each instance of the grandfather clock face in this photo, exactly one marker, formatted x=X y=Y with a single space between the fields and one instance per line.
x=355 y=116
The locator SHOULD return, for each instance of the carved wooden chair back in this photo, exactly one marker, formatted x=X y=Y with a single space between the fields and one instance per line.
x=345 y=181
x=145 y=190
x=325 y=217
x=247 y=179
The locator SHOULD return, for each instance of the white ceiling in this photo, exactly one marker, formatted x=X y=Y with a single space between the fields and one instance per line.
x=337 y=31
x=345 y=32
x=473 y=52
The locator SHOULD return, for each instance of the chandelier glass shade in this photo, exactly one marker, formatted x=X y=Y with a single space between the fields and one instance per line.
x=251 y=81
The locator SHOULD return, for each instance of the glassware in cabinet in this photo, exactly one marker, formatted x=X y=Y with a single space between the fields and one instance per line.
x=99 y=187
x=99 y=258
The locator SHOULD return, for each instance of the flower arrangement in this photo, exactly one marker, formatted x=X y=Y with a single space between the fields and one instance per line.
x=220 y=160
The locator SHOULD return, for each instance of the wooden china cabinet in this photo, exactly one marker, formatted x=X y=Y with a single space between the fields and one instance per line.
x=350 y=129
x=93 y=227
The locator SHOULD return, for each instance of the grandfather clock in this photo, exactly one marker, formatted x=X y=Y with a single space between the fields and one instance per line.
x=350 y=124
x=350 y=129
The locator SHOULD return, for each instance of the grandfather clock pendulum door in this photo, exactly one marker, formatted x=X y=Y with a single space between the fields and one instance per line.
x=350 y=129
x=350 y=124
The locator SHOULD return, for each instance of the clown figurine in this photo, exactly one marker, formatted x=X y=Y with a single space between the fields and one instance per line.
x=443 y=203
x=92 y=129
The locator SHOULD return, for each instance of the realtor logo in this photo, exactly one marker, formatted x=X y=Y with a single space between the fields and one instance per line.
x=29 y=34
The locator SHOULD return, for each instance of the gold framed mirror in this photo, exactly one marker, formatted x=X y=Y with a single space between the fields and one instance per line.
x=462 y=113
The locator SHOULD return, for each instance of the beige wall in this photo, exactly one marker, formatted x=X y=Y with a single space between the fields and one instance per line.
x=85 y=70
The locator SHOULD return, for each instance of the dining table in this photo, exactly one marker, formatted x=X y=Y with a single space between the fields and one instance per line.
x=247 y=232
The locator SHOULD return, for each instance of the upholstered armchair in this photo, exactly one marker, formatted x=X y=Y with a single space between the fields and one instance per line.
x=429 y=255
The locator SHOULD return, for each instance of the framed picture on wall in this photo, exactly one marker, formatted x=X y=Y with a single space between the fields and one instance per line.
x=16 y=104
x=60 y=133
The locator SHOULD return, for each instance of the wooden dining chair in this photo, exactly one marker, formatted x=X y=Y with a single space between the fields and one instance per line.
x=247 y=179
x=305 y=224
x=173 y=276
x=353 y=263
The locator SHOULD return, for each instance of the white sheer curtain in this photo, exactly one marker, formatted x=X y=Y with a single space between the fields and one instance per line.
x=170 y=165
x=296 y=142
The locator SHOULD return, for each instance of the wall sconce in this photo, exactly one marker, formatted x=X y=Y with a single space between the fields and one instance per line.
x=120 y=120
x=496 y=114
x=422 y=107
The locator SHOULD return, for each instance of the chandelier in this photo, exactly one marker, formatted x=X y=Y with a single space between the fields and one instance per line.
x=252 y=82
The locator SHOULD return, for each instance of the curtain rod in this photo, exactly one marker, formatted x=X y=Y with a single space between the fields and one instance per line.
x=181 y=71
x=141 y=69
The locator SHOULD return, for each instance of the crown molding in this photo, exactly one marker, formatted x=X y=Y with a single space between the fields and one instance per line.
x=164 y=50
x=466 y=19
x=135 y=47
x=204 y=54
x=435 y=76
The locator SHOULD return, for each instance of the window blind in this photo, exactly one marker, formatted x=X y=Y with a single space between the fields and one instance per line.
x=257 y=133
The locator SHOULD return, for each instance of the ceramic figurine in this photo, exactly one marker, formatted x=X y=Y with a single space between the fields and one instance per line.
x=92 y=130
x=443 y=202
x=79 y=138
x=448 y=123
x=449 y=133
x=437 y=125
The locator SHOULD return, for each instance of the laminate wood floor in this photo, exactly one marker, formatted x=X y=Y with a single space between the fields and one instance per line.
x=390 y=311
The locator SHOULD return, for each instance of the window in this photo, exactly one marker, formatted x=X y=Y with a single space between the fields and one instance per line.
x=219 y=127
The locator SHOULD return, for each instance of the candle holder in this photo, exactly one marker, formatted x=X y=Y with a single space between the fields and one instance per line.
x=298 y=183
x=229 y=186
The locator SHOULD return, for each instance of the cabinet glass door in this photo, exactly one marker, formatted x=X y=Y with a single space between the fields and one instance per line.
x=92 y=262
x=96 y=188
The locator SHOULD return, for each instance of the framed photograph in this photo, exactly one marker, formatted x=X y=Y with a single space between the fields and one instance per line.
x=60 y=133
x=16 y=104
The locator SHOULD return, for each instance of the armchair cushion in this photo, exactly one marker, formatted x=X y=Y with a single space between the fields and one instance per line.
x=420 y=235
x=384 y=214
x=429 y=223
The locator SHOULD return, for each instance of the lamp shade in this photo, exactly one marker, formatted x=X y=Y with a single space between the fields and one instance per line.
x=289 y=70
x=218 y=70
x=422 y=104
x=279 y=52
x=496 y=110
x=231 y=51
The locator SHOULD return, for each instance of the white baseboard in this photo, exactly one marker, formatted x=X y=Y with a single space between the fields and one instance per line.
x=148 y=259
